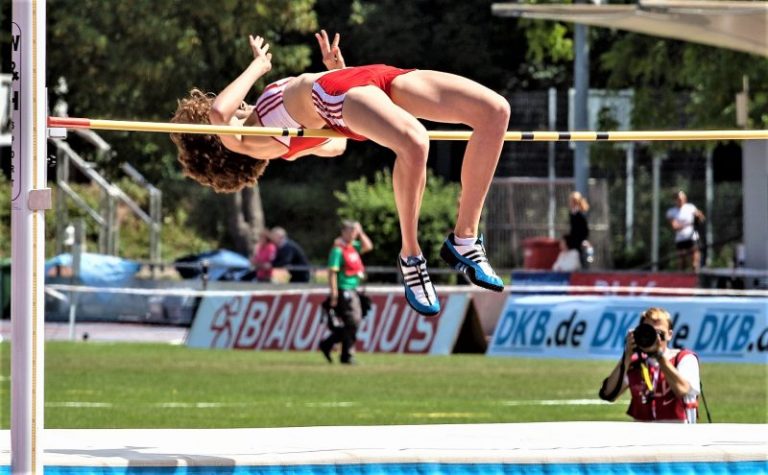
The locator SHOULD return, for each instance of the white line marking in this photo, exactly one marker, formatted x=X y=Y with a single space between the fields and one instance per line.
x=79 y=404
x=190 y=405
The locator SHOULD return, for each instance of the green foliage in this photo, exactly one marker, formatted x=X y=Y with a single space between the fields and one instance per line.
x=670 y=76
x=373 y=205
x=133 y=239
x=548 y=42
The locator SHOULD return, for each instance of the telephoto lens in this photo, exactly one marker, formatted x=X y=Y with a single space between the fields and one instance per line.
x=645 y=335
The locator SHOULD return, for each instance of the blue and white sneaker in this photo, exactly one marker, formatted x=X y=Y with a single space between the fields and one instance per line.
x=419 y=291
x=472 y=261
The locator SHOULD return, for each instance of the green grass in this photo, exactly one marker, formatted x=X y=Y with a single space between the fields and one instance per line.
x=273 y=389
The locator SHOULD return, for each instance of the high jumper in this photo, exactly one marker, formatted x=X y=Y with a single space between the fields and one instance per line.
x=374 y=102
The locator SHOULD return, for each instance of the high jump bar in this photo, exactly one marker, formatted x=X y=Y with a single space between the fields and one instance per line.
x=511 y=136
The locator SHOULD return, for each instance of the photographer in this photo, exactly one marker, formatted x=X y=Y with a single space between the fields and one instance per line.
x=345 y=270
x=663 y=382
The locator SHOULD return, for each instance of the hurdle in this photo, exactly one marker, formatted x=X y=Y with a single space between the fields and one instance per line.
x=30 y=198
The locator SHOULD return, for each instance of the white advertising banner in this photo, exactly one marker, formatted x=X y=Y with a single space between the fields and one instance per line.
x=717 y=329
x=296 y=321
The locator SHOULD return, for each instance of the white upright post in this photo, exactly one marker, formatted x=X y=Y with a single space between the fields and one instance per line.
x=657 y=157
x=709 y=206
x=552 y=109
x=629 y=209
x=29 y=199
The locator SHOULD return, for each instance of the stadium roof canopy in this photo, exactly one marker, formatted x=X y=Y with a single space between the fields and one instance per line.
x=735 y=25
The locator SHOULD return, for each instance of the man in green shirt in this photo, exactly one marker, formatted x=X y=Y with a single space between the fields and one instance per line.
x=345 y=270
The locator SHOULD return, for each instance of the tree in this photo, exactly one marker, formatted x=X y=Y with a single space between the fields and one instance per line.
x=673 y=76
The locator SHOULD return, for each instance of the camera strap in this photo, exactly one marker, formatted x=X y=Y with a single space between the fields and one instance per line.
x=647 y=376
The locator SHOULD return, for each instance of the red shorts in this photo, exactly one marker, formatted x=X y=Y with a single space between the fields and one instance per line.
x=329 y=92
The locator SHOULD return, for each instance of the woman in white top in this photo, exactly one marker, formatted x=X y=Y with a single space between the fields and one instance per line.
x=682 y=218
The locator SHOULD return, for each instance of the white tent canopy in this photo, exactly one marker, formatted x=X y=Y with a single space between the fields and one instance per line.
x=740 y=25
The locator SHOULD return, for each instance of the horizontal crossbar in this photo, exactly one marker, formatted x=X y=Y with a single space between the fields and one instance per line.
x=511 y=136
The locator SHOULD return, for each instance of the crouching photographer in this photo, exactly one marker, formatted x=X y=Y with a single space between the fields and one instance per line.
x=663 y=382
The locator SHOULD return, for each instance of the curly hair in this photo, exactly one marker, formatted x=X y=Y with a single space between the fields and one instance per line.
x=204 y=158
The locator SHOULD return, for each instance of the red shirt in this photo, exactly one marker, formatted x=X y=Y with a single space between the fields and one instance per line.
x=658 y=403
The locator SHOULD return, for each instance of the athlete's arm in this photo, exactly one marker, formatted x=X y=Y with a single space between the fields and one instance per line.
x=228 y=102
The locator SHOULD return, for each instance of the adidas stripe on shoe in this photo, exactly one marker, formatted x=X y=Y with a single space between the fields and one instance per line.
x=419 y=290
x=472 y=261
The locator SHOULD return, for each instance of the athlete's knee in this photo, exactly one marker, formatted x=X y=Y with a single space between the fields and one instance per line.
x=499 y=110
x=414 y=146
x=493 y=112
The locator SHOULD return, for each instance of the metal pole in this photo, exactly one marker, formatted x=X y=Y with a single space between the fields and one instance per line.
x=110 y=219
x=552 y=100
x=104 y=225
x=77 y=254
x=62 y=176
x=581 y=113
x=657 y=158
x=710 y=197
x=29 y=199
x=629 y=210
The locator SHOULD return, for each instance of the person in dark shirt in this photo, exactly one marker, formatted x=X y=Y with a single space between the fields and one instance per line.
x=577 y=239
x=289 y=253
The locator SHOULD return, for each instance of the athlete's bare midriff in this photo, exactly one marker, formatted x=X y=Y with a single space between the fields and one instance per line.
x=297 y=98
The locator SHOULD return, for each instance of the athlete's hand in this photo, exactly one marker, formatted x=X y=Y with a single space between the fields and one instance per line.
x=261 y=56
x=332 y=58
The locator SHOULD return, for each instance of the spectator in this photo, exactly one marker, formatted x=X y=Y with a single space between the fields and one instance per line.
x=345 y=270
x=264 y=252
x=683 y=218
x=577 y=238
x=663 y=382
x=568 y=260
x=290 y=254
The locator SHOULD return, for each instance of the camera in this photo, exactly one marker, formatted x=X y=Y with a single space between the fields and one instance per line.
x=645 y=335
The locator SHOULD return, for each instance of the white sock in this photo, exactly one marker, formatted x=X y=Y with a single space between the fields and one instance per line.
x=468 y=241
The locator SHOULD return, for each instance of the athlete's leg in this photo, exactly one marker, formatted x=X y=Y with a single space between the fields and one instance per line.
x=443 y=97
x=369 y=112
x=449 y=98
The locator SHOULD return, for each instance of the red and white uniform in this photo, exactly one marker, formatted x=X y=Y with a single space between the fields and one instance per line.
x=272 y=113
x=329 y=92
x=659 y=402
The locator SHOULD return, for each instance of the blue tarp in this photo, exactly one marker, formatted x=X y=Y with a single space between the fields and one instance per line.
x=97 y=270
x=222 y=265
